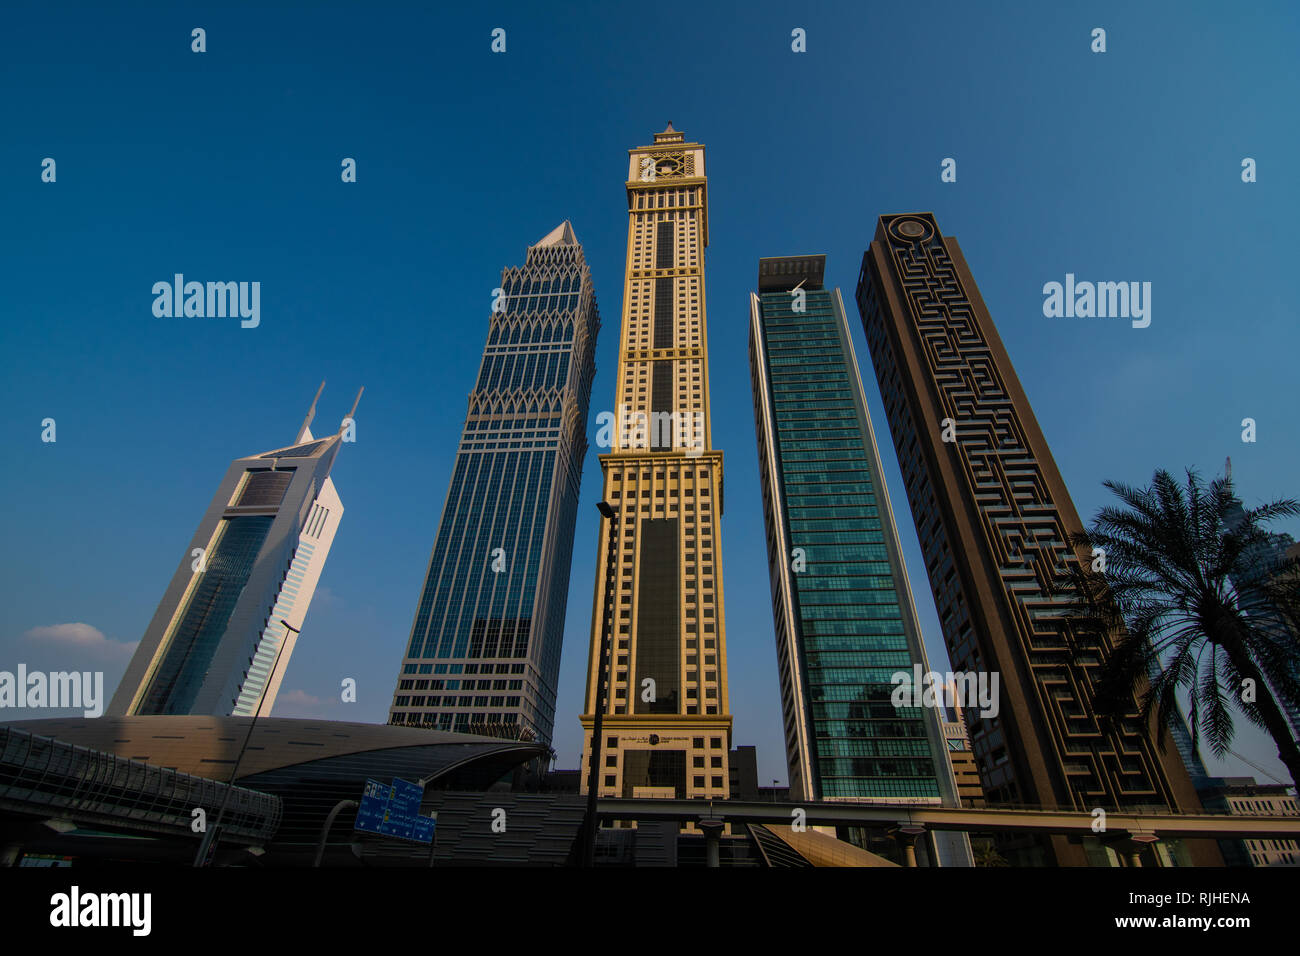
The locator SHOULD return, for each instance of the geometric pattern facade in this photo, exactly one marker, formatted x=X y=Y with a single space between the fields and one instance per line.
x=993 y=517
x=484 y=652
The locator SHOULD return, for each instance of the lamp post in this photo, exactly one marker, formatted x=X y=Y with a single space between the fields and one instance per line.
x=433 y=841
x=329 y=822
x=208 y=845
x=905 y=834
x=602 y=672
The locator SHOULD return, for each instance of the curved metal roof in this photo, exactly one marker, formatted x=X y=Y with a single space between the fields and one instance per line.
x=209 y=746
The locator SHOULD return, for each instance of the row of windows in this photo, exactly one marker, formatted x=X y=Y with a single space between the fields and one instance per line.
x=698 y=743
x=875 y=767
x=542 y=305
x=664 y=198
x=839 y=426
x=815 y=324
x=646 y=475
x=865 y=677
x=886 y=747
x=876 y=787
x=501 y=427
x=406 y=700
x=460 y=685
x=445 y=721
x=1265 y=807
x=870 y=602
x=814 y=384
x=533 y=282
x=821 y=579
x=842 y=727
x=463 y=669
x=818 y=418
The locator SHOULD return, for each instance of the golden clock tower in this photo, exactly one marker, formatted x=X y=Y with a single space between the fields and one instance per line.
x=667 y=724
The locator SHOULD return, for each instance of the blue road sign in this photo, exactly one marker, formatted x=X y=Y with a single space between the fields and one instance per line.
x=422 y=829
x=394 y=810
x=405 y=798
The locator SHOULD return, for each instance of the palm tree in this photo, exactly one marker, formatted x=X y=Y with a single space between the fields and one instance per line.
x=1191 y=608
x=986 y=853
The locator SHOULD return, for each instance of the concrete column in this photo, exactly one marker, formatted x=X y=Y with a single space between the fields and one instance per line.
x=712 y=840
x=1137 y=842
x=906 y=840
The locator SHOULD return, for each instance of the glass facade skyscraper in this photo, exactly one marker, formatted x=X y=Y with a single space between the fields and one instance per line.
x=218 y=642
x=1265 y=559
x=845 y=621
x=484 y=652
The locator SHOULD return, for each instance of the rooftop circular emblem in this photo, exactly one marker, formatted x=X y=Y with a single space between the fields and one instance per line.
x=911 y=229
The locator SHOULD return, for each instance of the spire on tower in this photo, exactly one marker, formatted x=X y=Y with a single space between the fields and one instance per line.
x=304 y=433
x=669 y=135
x=561 y=235
x=357 y=401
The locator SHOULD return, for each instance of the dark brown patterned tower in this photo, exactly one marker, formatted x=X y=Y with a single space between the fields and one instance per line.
x=993 y=517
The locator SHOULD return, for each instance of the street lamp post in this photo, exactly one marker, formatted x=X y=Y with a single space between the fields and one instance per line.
x=602 y=672
x=329 y=822
x=208 y=845
x=433 y=841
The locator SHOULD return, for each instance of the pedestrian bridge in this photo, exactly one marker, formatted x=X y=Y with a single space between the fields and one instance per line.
x=43 y=777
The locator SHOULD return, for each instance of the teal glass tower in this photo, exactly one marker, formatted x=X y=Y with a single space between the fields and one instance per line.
x=484 y=652
x=844 y=617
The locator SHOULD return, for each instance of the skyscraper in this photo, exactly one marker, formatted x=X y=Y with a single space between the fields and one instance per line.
x=484 y=653
x=217 y=643
x=1266 y=560
x=667 y=725
x=994 y=518
x=963 y=762
x=845 y=621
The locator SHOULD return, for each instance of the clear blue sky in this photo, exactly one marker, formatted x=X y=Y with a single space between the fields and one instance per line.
x=225 y=166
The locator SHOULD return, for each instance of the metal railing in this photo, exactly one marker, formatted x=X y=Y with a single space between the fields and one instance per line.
x=41 y=775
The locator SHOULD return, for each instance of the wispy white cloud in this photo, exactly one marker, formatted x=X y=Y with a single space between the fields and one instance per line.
x=81 y=639
x=297 y=697
x=299 y=703
x=324 y=597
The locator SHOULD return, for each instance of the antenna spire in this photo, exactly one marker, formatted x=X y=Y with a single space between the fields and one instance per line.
x=356 y=402
x=311 y=414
